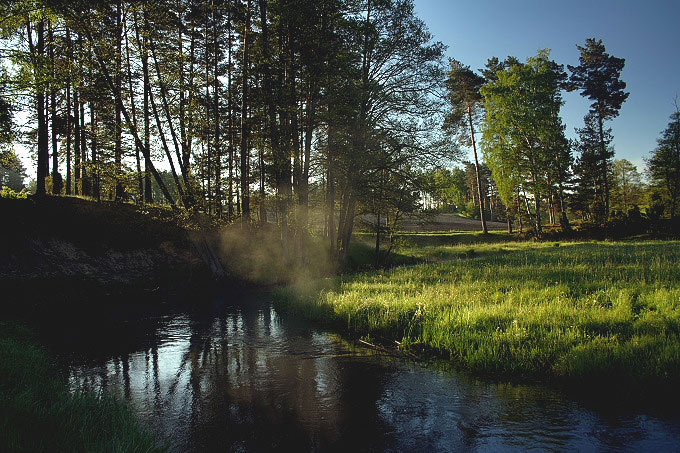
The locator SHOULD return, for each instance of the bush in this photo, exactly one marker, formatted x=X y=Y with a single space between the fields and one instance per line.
x=6 y=192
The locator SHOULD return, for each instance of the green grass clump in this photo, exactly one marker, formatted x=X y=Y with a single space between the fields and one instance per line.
x=37 y=412
x=581 y=311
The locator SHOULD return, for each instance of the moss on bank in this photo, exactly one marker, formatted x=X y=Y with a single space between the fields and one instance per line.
x=580 y=312
x=37 y=412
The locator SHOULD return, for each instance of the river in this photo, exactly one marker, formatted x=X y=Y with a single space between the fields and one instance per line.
x=237 y=376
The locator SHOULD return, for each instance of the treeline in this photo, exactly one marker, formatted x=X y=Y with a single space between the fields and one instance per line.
x=258 y=110
x=240 y=109
x=530 y=165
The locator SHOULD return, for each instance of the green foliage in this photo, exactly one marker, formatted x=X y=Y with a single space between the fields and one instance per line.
x=38 y=413
x=627 y=188
x=581 y=311
x=591 y=167
x=663 y=165
x=524 y=143
x=464 y=98
x=7 y=192
x=12 y=171
x=447 y=188
x=598 y=78
x=6 y=110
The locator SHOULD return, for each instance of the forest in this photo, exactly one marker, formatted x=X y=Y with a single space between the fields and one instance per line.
x=314 y=150
x=257 y=113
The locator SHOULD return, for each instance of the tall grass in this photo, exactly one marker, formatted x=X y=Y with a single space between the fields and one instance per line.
x=37 y=412
x=579 y=311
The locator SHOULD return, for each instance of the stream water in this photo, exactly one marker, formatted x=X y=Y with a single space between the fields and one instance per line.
x=239 y=377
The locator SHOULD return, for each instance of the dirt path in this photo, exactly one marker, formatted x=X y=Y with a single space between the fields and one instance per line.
x=450 y=222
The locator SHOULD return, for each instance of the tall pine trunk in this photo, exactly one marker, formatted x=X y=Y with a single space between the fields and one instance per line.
x=140 y=177
x=69 y=56
x=56 y=177
x=245 y=132
x=118 y=153
x=37 y=53
x=216 y=115
x=230 y=107
x=477 y=172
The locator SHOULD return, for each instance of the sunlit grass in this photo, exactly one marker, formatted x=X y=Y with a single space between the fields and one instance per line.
x=571 y=310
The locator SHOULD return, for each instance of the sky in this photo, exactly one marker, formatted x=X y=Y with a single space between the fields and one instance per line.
x=645 y=33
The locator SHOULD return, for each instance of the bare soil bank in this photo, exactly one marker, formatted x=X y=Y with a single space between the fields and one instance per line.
x=57 y=251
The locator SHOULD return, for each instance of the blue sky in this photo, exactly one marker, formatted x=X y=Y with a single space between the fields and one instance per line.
x=646 y=34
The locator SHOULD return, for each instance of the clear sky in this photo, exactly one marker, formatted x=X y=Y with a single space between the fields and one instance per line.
x=645 y=33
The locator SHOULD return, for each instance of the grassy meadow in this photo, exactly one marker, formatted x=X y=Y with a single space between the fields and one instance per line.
x=38 y=413
x=579 y=311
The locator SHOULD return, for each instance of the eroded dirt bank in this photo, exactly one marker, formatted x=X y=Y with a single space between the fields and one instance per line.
x=66 y=251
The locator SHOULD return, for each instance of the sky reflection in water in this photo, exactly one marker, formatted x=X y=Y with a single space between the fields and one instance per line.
x=241 y=378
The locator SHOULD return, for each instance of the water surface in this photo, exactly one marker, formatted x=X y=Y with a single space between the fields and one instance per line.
x=239 y=377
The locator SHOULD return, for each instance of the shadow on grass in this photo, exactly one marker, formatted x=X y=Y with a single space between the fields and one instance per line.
x=39 y=414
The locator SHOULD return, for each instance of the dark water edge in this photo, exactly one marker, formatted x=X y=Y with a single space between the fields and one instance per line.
x=225 y=372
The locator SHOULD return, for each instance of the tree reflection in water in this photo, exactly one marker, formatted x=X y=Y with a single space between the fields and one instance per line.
x=243 y=378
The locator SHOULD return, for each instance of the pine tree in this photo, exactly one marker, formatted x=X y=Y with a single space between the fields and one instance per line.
x=466 y=102
x=663 y=165
x=598 y=78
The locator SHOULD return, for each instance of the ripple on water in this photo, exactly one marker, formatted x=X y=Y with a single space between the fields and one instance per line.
x=244 y=378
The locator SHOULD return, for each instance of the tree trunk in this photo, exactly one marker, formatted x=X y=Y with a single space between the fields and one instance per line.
x=304 y=183
x=207 y=165
x=245 y=132
x=605 y=177
x=519 y=215
x=537 y=202
x=119 y=100
x=230 y=106
x=118 y=154
x=330 y=196
x=477 y=172
x=273 y=130
x=68 y=112
x=216 y=114
x=184 y=192
x=140 y=178
x=148 y=187
x=348 y=227
x=182 y=88
x=56 y=177
x=86 y=184
x=37 y=54
x=377 y=240
x=96 y=183
x=78 y=184
x=186 y=150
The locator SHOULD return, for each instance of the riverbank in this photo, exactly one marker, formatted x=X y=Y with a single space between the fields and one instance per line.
x=38 y=413
x=76 y=259
x=597 y=312
x=65 y=252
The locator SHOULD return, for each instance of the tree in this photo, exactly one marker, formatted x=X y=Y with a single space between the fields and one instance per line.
x=390 y=100
x=466 y=101
x=523 y=141
x=7 y=131
x=445 y=189
x=663 y=165
x=12 y=171
x=590 y=169
x=598 y=78
x=26 y=24
x=626 y=189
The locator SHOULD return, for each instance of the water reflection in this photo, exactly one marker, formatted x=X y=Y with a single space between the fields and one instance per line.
x=242 y=378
